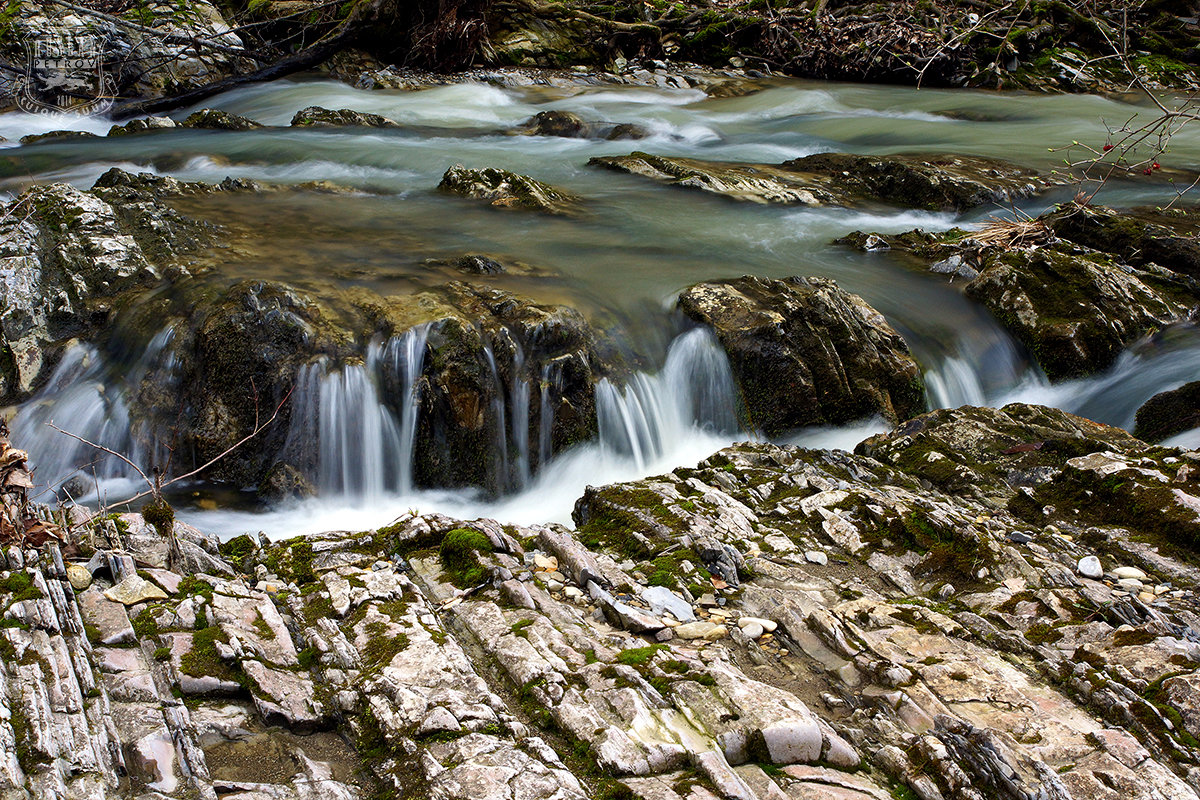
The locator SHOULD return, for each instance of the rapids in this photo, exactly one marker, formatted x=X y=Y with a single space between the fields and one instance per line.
x=637 y=246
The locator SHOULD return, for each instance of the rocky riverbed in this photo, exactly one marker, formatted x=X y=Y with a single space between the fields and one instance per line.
x=982 y=603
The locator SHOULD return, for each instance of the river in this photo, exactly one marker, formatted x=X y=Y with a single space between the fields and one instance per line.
x=627 y=257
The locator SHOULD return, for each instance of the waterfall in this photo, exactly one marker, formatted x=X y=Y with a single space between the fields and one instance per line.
x=404 y=358
x=978 y=370
x=83 y=398
x=549 y=387
x=520 y=417
x=650 y=415
x=361 y=448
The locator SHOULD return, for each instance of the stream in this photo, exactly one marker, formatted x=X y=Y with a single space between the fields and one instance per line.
x=627 y=258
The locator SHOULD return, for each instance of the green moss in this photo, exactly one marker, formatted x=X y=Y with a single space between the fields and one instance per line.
x=193 y=586
x=144 y=624
x=518 y=627
x=382 y=646
x=1042 y=633
x=158 y=512
x=307 y=657
x=639 y=656
x=162 y=653
x=202 y=660
x=1128 y=638
x=261 y=627
x=20 y=585
x=238 y=551
x=459 y=556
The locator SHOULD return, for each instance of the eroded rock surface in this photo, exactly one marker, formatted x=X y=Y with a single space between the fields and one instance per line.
x=774 y=623
x=806 y=352
x=504 y=189
x=936 y=182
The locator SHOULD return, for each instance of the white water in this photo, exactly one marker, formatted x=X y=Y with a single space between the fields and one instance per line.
x=639 y=244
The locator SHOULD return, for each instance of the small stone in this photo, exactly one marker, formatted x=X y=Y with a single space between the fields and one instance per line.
x=1130 y=583
x=698 y=630
x=816 y=557
x=1129 y=572
x=554 y=586
x=717 y=632
x=1019 y=537
x=767 y=625
x=573 y=592
x=1147 y=597
x=133 y=590
x=79 y=576
x=665 y=635
x=708 y=599
x=753 y=630
x=946 y=591
x=1090 y=567
x=544 y=562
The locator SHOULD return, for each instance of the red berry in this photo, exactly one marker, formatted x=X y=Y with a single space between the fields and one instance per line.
x=1155 y=166
x=1107 y=147
x=1147 y=171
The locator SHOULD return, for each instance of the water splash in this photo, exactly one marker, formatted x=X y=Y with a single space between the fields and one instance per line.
x=694 y=390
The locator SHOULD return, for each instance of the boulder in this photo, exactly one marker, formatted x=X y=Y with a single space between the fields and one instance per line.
x=1075 y=311
x=213 y=119
x=1168 y=413
x=66 y=254
x=569 y=125
x=318 y=117
x=504 y=189
x=806 y=352
x=1137 y=236
x=934 y=182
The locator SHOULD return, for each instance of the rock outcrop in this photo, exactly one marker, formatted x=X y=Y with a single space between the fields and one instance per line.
x=503 y=189
x=318 y=117
x=935 y=182
x=773 y=623
x=806 y=352
x=1076 y=286
x=66 y=254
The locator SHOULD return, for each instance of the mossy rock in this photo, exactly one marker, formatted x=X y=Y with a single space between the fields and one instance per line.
x=1168 y=413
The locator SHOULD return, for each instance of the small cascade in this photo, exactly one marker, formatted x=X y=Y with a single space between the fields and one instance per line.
x=358 y=440
x=83 y=398
x=655 y=411
x=77 y=400
x=403 y=359
x=499 y=418
x=978 y=370
x=519 y=400
x=549 y=387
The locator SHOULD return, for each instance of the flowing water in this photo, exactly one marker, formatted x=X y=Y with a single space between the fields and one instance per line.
x=634 y=249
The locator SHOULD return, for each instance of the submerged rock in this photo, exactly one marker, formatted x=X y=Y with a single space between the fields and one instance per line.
x=569 y=125
x=935 y=182
x=805 y=352
x=318 y=117
x=504 y=189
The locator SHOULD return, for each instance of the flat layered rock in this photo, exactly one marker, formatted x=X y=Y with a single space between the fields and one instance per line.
x=929 y=181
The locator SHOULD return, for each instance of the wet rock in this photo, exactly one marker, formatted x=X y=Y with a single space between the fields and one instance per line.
x=142 y=126
x=569 y=125
x=212 y=119
x=1169 y=413
x=1075 y=311
x=56 y=136
x=935 y=182
x=318 y=117
x=504 y=189
x=1139 y=236
x=805 y=352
